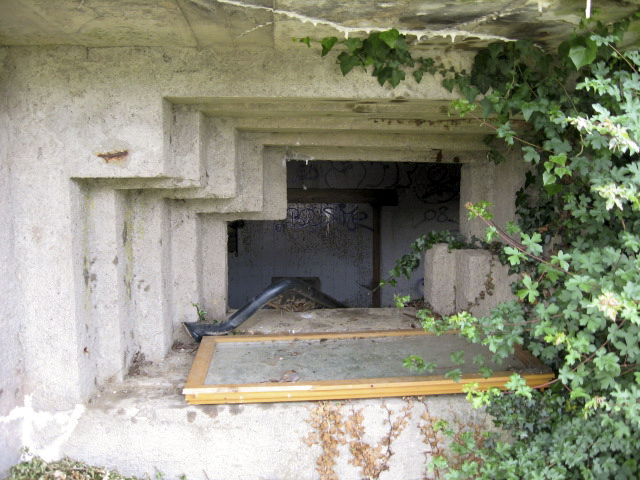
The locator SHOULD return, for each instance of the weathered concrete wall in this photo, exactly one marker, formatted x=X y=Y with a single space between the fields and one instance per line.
x=119 y=169
x=64 y=106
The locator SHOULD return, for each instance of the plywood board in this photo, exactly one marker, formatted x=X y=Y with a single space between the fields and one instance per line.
x=299 y=367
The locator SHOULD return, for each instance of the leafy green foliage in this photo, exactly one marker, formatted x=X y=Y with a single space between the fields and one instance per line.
x=202 y=314
x=386 y=53
x=576 y=116
x=409 y=262
x=416 y=363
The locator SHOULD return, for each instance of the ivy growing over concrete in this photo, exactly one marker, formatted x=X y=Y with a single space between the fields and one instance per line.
x=576 y=116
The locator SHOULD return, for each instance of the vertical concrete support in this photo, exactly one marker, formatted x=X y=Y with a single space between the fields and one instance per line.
x=45 y=236
x=470 y=280
x=124 y=234
x=151 y=307
x=477 y=184
x=11 y=310
x=101 y=338
x=497 y=184
x=185 y=263
x=440 y=279
x=473 y=278
x=213 y=272
x=509 y=177
x=481 y=282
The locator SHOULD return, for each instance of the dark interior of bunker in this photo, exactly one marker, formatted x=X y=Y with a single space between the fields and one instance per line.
x=346 y=225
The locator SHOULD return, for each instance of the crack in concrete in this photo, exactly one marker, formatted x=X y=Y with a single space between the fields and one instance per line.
x=346 y=31
x=186 y=19
x=508 y=10
x=254 y=28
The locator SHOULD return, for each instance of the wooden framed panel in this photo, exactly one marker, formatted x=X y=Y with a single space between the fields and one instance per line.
x=324 y=366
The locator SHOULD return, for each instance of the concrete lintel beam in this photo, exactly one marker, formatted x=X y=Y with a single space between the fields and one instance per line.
x=400 y=122
x=282 y=108
x=373 y=154
x=376 y=140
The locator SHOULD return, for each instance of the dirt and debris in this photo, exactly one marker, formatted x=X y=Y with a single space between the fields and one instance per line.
x=138 y=363
x=64 y=469
x=293 y=303
x=419 y=304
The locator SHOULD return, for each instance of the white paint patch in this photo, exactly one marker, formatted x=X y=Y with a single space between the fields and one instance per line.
x=542 y=4
x=43 y=433
x=366 y=29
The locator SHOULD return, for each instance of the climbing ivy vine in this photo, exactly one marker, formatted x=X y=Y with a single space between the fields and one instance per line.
x=576 y=116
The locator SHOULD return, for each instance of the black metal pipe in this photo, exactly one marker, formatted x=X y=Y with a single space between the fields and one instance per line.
x=199 y=330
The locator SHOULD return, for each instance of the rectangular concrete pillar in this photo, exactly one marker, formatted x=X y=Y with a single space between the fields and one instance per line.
x=101 y=339
x=45 y=236
x=440 y=279
x=477 y=184
x=185 y=264
x=498 y=184
x=481 y=282
x=473 y=278
x=470 y=280
x=213 y=272
x=151 y=303
x=11 y=308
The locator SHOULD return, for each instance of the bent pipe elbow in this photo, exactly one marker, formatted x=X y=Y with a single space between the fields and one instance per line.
x=199 y=330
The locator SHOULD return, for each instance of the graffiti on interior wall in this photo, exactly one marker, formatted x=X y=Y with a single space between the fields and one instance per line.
x=322 y=215
x=439 y=215
x=429 y=183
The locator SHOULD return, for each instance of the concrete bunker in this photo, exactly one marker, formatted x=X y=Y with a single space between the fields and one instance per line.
x=148 y=237
x=168 y=137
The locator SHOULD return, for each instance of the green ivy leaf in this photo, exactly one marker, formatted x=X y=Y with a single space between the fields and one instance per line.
x=390 y=37
x=327 y=44
x=305 y=40
x=353 y=44
x=457 y=357
x=348 y=62
x=455 y=375
x=583 y=52
x=530 y=154
x=486 y=372
x=401 y=300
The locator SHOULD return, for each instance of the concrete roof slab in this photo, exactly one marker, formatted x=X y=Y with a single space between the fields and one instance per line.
x=465 y=24
x=93 y=23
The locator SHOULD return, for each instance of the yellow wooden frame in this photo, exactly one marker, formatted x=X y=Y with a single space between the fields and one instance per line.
x=197 y=392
